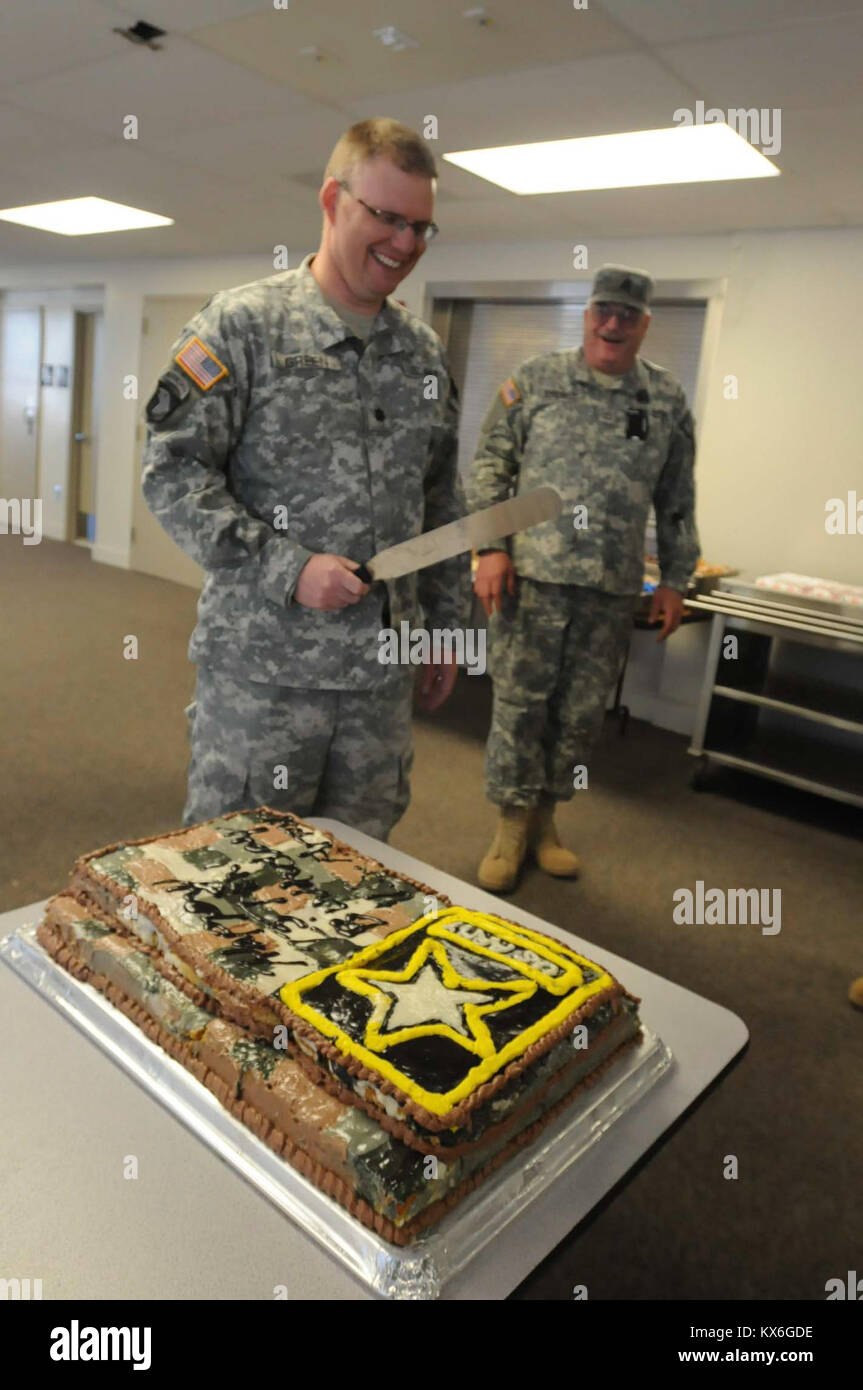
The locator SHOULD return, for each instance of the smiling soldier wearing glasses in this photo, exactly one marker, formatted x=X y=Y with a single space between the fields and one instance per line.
x=613 y=433
x=305 y=422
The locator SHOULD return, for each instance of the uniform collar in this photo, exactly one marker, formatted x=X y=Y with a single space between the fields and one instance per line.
x=327 y=328
x=633 y=381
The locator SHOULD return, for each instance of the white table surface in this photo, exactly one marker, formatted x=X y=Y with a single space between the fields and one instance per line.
x=188 y=1226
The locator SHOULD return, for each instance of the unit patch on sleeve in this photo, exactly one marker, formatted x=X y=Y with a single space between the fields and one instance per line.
x=509 y=392
x=172 y=389
x=200 y=364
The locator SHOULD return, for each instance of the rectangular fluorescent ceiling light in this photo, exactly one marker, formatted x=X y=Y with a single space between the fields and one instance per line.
x=680 y=154
x=83 y=217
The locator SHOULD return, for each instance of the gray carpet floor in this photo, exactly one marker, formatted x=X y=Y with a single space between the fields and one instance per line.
x=94 y=750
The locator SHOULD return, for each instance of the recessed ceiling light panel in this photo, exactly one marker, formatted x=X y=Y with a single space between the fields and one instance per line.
x=680 y=154
x=83 y=217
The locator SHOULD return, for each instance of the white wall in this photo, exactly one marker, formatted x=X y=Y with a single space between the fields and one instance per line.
x=768 y=461
x=55 y=403
x=20 y=351
x=55 y=423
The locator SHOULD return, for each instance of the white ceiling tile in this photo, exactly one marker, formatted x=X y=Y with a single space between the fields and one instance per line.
x=267 y=148
x=38 y=37
x=500 y=219
x=592 y=97
x=191 y=14
x=707 y=208
x=822 y=141
x=807 y=65
x=180 y=89
x=123 y=173
x=663 y=21
x=449 y=48
x=237 y=157
x=26 y=136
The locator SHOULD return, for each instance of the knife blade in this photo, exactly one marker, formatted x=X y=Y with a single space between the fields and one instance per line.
x=467 y=533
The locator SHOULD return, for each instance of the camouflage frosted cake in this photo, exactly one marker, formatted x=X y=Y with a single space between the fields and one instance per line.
x=352 y=1028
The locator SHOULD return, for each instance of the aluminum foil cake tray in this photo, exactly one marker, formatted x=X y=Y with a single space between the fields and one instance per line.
x=418 y=1271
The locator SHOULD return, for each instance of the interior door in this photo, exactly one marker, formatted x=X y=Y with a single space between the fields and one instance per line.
x=85 y=424
x=19 y=402
x=153 y=551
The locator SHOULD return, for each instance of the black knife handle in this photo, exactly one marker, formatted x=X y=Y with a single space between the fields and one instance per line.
x=364 y=574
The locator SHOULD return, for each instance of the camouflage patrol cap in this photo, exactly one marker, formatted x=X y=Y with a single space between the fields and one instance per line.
x=622 y=285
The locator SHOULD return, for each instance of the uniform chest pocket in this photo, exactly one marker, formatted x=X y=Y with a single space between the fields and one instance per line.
x=411 y=398
x=301 y=400
x=408 y=413
x=640 y=461
x=557 y=424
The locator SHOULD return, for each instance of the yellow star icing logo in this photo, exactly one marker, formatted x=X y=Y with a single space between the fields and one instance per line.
x=458 y=977
x=428 y=998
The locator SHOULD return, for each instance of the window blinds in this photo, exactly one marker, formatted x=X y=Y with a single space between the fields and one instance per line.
x=488 y=340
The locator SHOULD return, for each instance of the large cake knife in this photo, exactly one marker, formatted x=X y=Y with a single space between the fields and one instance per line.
x=468 y=533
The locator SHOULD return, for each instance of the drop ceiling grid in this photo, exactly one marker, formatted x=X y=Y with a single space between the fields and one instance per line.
x=182 y=88
x=40 y=37
x=355 y=64
x=549 y=103
x=233 y=154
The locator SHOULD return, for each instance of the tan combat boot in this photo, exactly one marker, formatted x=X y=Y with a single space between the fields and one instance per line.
x=499 y=870
x=543 y=843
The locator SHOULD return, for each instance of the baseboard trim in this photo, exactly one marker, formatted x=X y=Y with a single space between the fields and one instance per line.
x=106 y=555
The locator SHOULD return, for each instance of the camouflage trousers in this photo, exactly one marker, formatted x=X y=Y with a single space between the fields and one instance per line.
x=345 y=754
x=555 y=652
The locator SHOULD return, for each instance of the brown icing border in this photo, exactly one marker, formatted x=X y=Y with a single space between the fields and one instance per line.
x=164 y=967
x=409 y=1136
x=319 y=1075
x=329 y=1183
x=458 y=1114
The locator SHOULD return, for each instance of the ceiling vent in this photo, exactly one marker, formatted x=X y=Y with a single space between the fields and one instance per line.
x=143 y=33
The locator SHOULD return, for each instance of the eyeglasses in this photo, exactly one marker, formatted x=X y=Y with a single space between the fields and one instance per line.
x=423 y=231
x=606 y=310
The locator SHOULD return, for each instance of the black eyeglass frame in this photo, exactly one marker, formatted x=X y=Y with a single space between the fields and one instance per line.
x=423 y=231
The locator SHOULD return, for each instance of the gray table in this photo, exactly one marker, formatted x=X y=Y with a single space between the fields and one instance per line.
x=188 y=1226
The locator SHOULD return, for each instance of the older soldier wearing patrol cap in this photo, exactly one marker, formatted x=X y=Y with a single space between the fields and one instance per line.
x=305 y=422
x=613 y=433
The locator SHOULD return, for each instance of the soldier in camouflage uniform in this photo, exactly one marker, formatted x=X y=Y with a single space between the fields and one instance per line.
x=613 y=433
x=305 y=422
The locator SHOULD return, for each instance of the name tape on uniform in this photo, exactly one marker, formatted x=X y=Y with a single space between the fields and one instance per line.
x=305 y=359
x=200 y=364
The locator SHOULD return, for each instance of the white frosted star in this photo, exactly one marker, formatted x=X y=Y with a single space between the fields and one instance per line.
x=426 y=999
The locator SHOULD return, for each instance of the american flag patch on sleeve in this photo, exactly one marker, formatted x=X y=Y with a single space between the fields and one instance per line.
x=509 y=392
x=200 y=364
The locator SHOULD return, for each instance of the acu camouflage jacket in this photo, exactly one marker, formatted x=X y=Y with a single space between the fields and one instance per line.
x=274 y=436
x=610 y=450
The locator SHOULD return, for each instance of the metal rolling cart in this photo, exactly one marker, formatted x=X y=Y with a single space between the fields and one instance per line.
x=803 y=728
